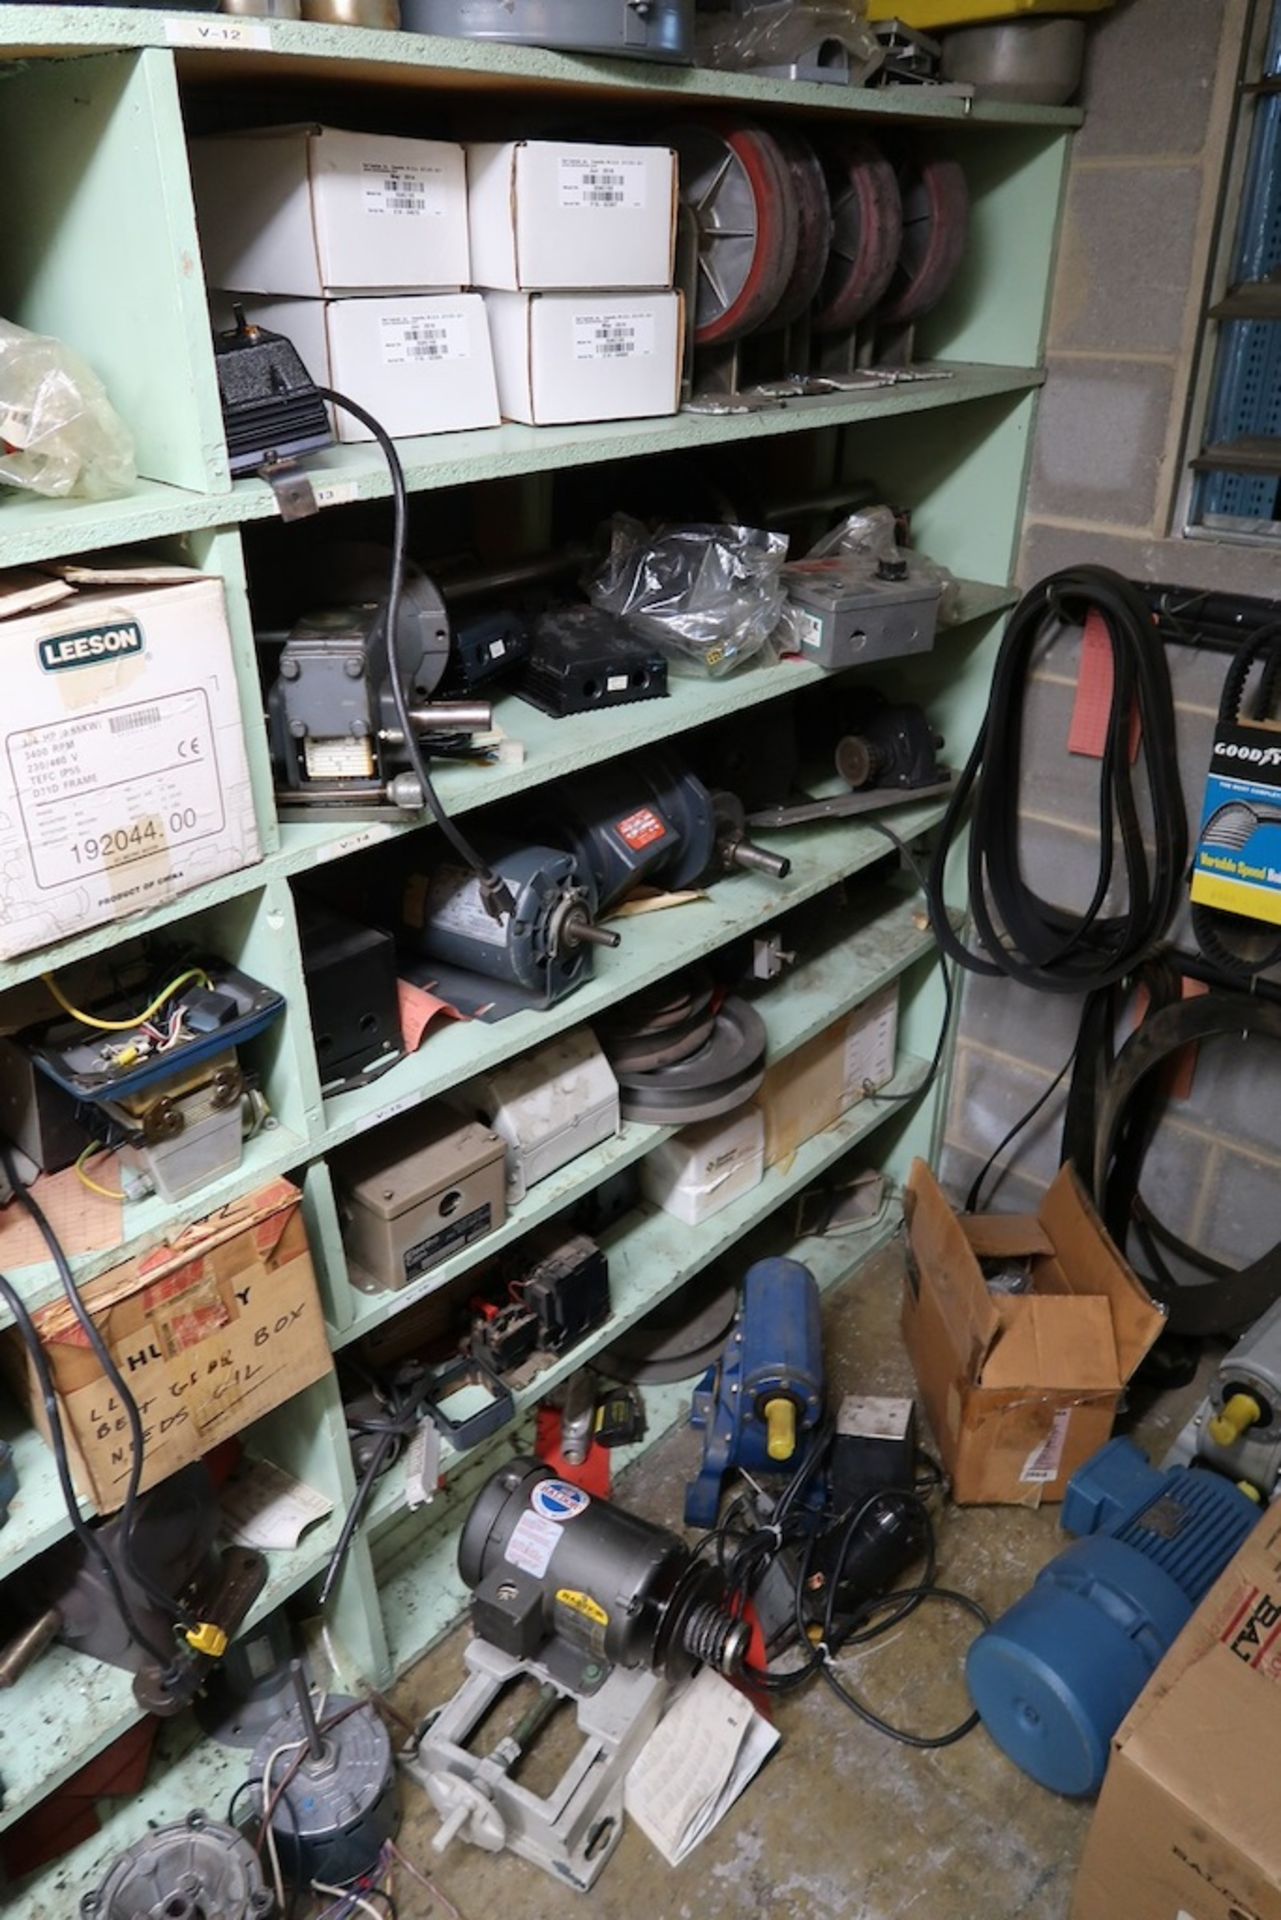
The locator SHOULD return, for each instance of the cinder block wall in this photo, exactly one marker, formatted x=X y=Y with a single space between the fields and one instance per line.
x=1140 y=218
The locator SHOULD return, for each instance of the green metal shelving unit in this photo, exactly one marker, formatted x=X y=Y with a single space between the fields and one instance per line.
x=100 y=248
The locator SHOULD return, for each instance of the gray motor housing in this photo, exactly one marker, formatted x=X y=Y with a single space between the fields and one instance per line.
x=635 y=29
x=196 y=1869
x=447 y=920
x=1253 y=1367
x=333 y=692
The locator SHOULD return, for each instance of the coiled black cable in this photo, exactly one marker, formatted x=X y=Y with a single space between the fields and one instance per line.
x=1022 y=935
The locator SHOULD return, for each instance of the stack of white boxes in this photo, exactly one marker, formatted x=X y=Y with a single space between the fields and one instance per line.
x=358 y=247
x=353 y=245
x=575 y=247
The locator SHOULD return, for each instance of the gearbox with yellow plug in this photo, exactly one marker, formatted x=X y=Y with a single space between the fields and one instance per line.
x=760 y=1402
x=1236 y=1430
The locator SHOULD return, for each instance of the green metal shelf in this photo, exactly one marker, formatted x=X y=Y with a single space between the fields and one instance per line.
x=217 y=50
x=67 y=1708
x=422 y=1592
x=33 y=529
x=884 y=943
x=654 y=945
x=652 y=1254
x=553 y=750
x=820 y=990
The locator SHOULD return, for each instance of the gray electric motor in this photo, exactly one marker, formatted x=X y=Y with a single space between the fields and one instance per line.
x=635 y=29
x=197 y=1869
x=548 y=1563
x=1237 y=1428
x=532 y=956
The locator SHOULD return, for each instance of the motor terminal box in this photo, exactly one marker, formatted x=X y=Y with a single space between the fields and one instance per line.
x=417 y=1191
x=873 y=1448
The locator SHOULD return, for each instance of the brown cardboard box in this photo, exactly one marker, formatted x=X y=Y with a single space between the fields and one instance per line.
x=814 y=1086
x=209 y=1333
x=1187 y=1826
x=1020 y=1389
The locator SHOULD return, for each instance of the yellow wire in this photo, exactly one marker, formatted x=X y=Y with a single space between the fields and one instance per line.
x=137 y=1019
x=108 y=1193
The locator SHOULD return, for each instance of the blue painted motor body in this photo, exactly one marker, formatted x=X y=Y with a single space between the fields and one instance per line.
x=774 y=1352
x=1054 y=1677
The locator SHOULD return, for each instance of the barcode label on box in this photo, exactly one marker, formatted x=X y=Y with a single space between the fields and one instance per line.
x=414 y=190
x=613 y=336
x=410 y=339
x=1043 y=1463
x=87 y=806
x=602 y=184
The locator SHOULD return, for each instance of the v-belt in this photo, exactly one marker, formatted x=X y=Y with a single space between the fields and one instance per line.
x=1023 y=935
x=1127 y=1102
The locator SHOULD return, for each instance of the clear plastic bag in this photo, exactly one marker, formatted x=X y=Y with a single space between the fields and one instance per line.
x=710 y=597
x=59 y=433
x=775 y=33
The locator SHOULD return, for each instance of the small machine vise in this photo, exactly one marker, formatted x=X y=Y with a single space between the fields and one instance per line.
x=766 y=1391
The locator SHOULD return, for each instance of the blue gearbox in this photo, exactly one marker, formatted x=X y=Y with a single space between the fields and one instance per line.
x=1054 y=1677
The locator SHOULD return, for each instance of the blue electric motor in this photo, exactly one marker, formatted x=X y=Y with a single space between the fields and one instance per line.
x=761 y=1400
x=1055 y=1676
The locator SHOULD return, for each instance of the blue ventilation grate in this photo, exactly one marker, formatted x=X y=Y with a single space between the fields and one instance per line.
x=1246 y=395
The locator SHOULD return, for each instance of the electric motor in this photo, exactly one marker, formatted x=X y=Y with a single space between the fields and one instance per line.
x=542 y=947
x=197 y=1869
x=333 y=1817
x=1054 y=1677
x=546 y=1562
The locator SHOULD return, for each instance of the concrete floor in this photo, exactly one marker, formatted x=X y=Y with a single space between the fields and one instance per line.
x=841 y=1824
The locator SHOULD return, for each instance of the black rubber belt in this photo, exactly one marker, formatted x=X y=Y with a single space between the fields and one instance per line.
x=1023 y=935
x=1128 y=1109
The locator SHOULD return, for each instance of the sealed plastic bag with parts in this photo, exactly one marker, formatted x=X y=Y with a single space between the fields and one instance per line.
x=59 y=433
x=710 y=597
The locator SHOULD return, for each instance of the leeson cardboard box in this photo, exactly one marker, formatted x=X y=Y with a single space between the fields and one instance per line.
x=420 y=363
x=123 y=774
x=210 y=1332
x=563 y=357
x=1187 y=1825
x=703 y=1168
x=549 y=214
x=814 y=1086
x=1020 y=1389
x=313 y=210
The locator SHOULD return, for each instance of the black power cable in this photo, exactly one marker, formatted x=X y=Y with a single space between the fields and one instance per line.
x=85 y=1534
x=494 y=891
x=166 y=1602
x=1021 y=934
x=792 y=1527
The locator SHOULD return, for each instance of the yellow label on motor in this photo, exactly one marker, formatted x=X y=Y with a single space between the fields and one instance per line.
x=584 y=1604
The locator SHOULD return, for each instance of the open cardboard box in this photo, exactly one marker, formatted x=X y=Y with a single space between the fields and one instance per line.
x=1187 y=1827
x=1020 y=1389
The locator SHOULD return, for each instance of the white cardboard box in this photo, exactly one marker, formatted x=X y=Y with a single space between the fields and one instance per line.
x=564 y=357
x=548 y=214
x=702 y=1168
x=420 y=362
x=311 y=210
x=123 y=775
